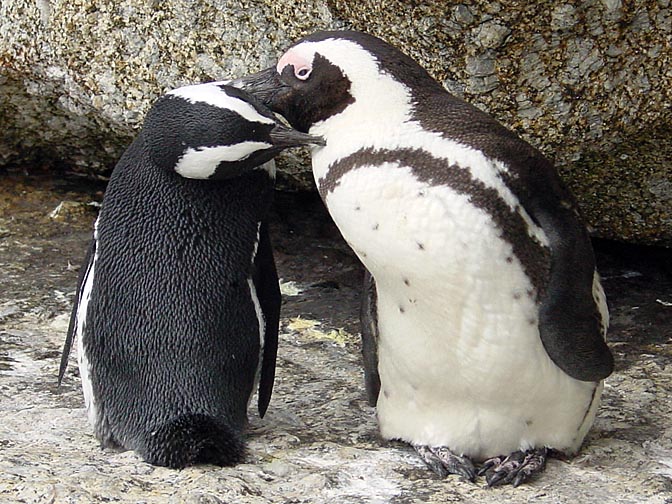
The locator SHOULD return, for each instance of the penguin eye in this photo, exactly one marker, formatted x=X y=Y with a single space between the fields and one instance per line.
x=302 y=73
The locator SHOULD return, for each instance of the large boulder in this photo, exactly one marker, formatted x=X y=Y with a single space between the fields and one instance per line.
x=589 y=83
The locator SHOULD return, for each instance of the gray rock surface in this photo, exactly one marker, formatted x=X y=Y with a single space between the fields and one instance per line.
x=590 y=83
x=318 y=442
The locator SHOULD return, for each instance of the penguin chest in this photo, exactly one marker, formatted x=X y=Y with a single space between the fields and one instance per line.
x=459 y=354
x=442 y=270
x=401 y=227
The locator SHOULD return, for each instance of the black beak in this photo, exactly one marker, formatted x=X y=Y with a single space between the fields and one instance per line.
x=267 y=87
x=284 y=136
x=264 y=85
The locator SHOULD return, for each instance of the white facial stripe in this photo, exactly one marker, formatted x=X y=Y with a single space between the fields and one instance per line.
x=212 y=94
x=376 y=92
x=359 y=62
x=381 y=117
x=201 y=163
x=293 y=58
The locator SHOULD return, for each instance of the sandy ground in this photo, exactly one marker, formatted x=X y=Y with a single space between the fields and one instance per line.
x=318 y=442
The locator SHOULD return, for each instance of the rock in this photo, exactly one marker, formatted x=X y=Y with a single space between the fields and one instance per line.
x=318 y=442
x=589 y=84
x=68 y=209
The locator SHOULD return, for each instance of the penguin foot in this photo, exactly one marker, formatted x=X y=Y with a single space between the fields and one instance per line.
x=517 y=468
x=444 y=462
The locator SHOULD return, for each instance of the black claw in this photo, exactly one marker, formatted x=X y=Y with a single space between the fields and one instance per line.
x=519 y=479
x=438 y=469
x=497 y=478
x=432 y=461
x=456 y=464
x=489 y=464
x=468 y=473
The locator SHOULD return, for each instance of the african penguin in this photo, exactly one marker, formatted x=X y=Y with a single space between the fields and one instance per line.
x=484 y=319
x=177 y=311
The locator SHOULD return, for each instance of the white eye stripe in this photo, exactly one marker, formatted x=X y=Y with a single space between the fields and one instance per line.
x=212 y=94
x=300 y=63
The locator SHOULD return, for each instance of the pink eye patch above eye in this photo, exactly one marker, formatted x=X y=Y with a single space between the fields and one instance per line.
x=302 y=67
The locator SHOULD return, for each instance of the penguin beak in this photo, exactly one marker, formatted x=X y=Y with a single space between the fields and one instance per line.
x=272 y=90
x=264 y=85
x=267 y=87
x=283 y=136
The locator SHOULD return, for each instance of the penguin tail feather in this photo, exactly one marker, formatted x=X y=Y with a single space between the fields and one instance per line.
x=193 y=439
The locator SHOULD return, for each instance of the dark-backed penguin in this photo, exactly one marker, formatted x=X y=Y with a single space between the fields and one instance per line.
x=177 y=311
x=484 y=318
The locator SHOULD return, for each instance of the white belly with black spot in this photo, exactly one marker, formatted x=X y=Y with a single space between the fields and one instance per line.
x=460 y=358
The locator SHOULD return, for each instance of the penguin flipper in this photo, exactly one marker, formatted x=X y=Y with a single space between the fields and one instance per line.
x=571 y=325
x=570 y=320
x=369 y=326
x=265 y=278
x=72 y=326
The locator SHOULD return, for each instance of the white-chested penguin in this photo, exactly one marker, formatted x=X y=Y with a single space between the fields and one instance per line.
x=177 y=311
x=484 y=321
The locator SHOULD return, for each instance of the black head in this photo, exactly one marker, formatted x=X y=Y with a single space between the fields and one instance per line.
x=214 y=131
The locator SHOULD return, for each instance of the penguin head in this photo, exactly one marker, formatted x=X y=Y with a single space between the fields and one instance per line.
x=329 y=74
x=215 y=131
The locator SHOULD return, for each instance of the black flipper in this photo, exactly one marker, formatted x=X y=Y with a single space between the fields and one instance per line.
x=369 y=326
x=265 y=280
x=72 y=327
x=570 y=323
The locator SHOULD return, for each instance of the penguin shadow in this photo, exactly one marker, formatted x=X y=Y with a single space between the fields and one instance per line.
x=317 y=400
x=637 y=281
x=638 y=285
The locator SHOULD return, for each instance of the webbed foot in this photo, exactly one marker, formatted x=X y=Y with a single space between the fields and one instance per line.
x=444 y=462
x=517 y=468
